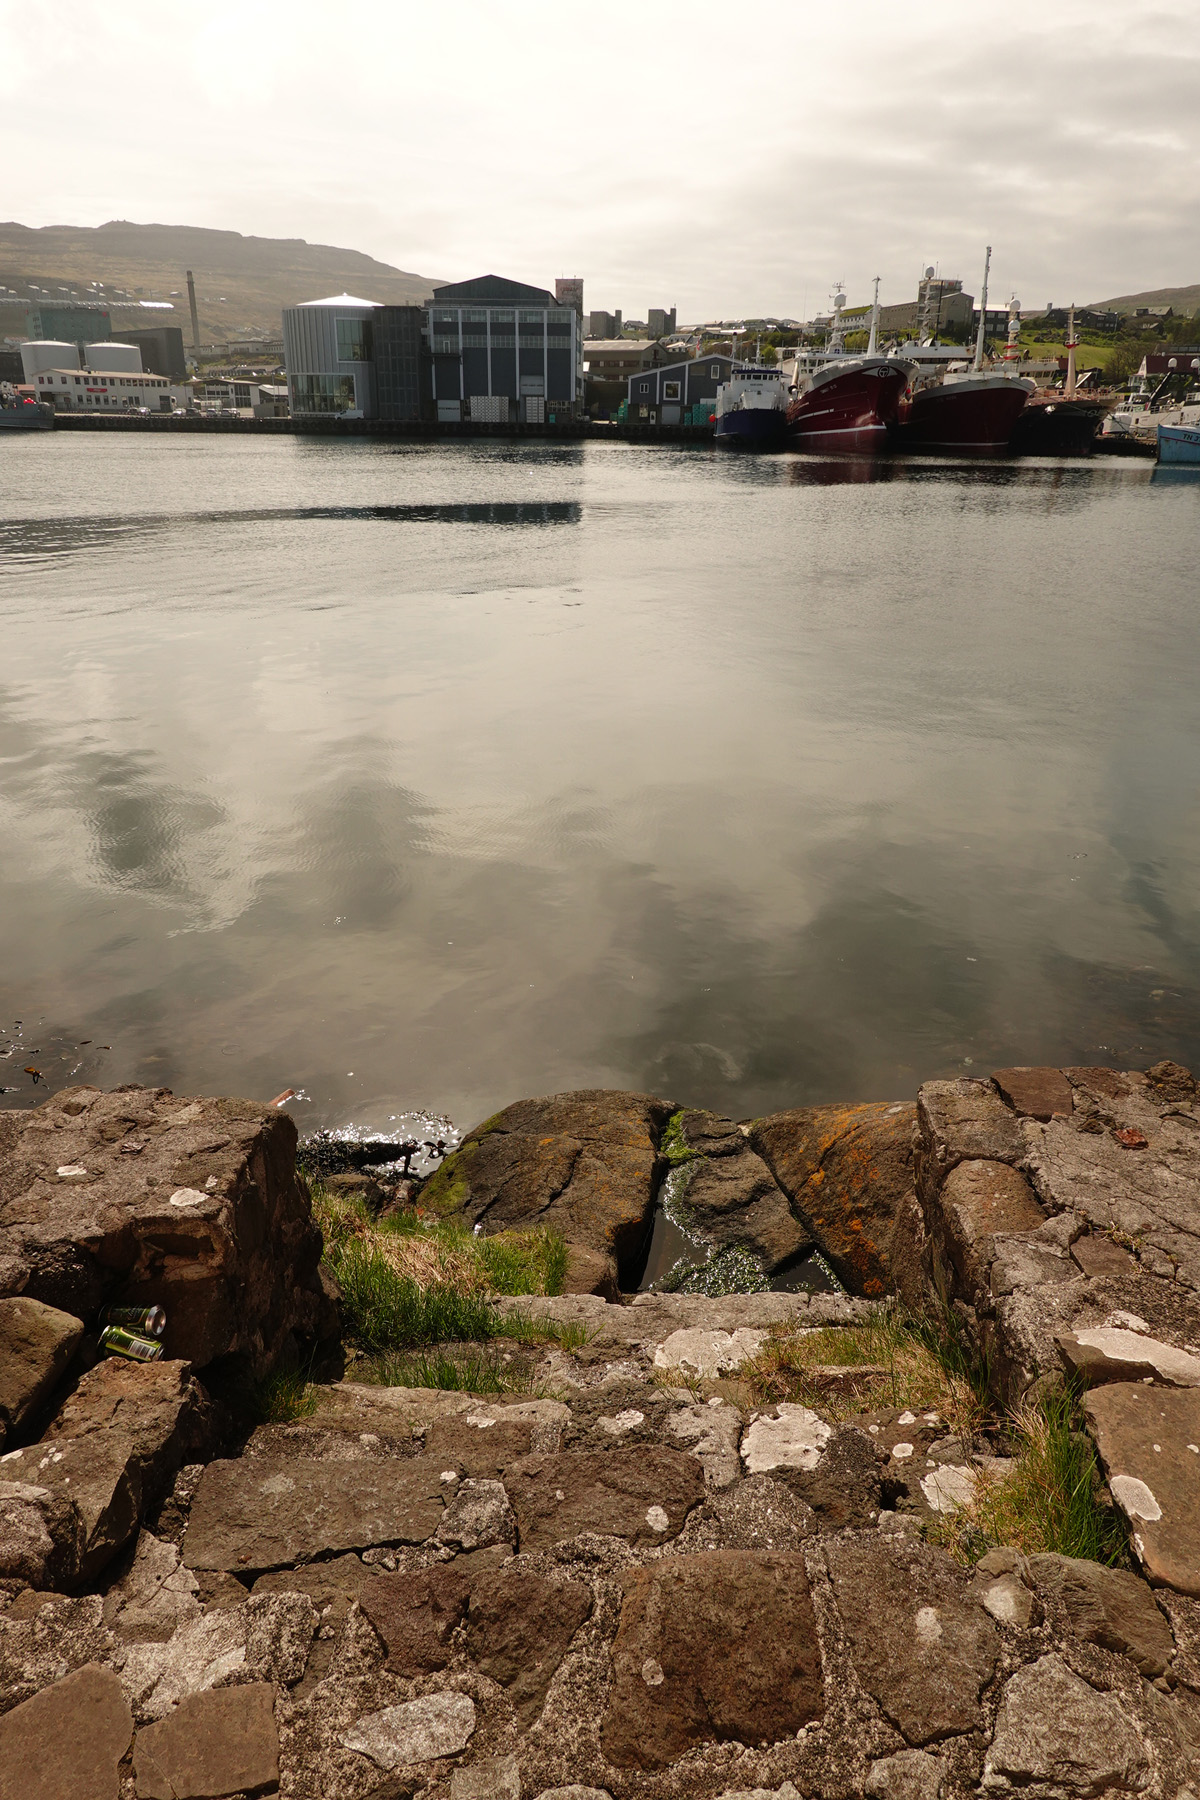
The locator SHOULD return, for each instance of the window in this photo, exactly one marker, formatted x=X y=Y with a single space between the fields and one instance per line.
x=672 y=390
x=643 y=387
x=532 y=318
x=715 y=371
x=324 y=393
x=354 y=340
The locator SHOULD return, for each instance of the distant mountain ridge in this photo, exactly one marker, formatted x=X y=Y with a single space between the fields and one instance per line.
x=242 y=283
x=1185 y=300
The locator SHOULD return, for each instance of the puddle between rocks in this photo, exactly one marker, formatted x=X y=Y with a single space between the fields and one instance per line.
x=677 y=1262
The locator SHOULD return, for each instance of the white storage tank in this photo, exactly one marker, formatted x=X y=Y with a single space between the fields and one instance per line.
x=41 y=354
x=124 y=359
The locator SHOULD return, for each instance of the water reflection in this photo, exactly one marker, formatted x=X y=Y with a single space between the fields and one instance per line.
x=748 y=788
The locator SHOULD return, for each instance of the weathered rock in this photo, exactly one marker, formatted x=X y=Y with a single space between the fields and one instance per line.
x=481 y=1443
x=263 y=1513
x=40 y=1534
x=1054 y=1729
x=66 y=1742
x=416 y=1612
x=1098 y=1256
x=1108 y=1607
x=792 y=1437
x=834 y=1470
x=519 y=1627
x=640 y=1494
x=847 y=1172
x=1149 y=1443
x=416 y=1732
x=1100 y=1354
x=962 y=1121
x=727 y=1195
x=36 y=1344
x=477 y=1516
x=574 y=1792
x=193 y=1204
x=584 y=1163
x=213 y=1744
x=44 y=1637
x=1002 y=1587
x=154 y=1596
x=711 y=1434
x=1148 y=1196
x=705 y=1355
x=688 y=1666
x=591 y=1272
x=496 y=1778
x=1036 y=1093
x=977 y=1200
x=919 y=1643
x=267 y=1637
x=112 y=1451
x=908 y=1775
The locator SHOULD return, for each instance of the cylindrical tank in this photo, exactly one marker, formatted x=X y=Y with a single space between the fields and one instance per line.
x=124 y=359
x=41 y=354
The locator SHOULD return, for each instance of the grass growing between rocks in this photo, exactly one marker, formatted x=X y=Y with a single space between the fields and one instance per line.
x=462 y=1369
x=1052 y=1498
x=898 y=1360
x=408 y=1283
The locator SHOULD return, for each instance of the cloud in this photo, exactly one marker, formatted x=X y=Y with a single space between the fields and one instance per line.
x=728 y=164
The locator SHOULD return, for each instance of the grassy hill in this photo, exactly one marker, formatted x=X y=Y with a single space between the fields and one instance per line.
x=1181 y=300
x=241 y=282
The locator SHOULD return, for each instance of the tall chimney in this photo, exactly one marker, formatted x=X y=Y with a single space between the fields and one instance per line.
x=195 y=314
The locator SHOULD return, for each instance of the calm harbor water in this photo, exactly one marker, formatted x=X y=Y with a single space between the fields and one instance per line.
x=435 y=776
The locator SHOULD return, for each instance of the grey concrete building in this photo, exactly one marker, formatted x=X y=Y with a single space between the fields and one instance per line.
x=663 y=396
x=660 y=323
x=503 y=351
x=162 y=350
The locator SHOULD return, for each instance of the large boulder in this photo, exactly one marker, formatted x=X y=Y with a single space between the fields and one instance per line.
x=71 y=1501
x=584 y=1163
x=847 y=1172
x=141 y=1196
x=724 y=1193
x=688 y=1661
x=36 y=1344
x=67 y=1741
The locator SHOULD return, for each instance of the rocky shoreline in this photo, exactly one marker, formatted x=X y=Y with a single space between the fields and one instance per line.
x=647 y=1577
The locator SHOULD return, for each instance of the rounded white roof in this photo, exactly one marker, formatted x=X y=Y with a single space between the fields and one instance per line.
x=340 y=300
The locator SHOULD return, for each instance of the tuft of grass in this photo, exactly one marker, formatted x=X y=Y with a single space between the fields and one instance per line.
x=905 y=1361
x=527 y=1328
x=1050 y=1501
x=466 y=1371
x=277 y=1399
x=410 y=1280
x=384 y=1310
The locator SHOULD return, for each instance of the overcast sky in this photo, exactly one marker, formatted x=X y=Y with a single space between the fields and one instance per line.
x=726 y=158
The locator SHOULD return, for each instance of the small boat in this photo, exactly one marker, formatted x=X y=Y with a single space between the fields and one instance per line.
x=751 y=411
x=20 y=410
x=848 y=402
x=1179 y=444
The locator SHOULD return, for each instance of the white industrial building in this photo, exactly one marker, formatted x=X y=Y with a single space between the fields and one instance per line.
x=109 y=378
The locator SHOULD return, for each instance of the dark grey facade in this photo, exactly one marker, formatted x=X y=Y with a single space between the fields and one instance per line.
x=402 y=384
x=162 y=350
x=662 y=396
x=501 y=351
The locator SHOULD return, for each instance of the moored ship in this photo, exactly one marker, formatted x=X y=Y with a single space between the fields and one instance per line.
x=751 y=410
x=20 y=410
x=970 y=410
x=848 y=402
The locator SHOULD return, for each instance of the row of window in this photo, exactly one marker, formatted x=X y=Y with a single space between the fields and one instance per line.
x=104 y=382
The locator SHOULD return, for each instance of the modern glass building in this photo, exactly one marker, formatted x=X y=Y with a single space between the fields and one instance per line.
x=502 y=351
x=329 y=352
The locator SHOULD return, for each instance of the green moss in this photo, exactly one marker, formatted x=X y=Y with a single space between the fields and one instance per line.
x=673 y=1145
x=449 y=1187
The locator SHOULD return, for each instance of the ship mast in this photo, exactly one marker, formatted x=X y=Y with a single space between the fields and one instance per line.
x=1072 y=340
x=978 y=363
x=872 y=340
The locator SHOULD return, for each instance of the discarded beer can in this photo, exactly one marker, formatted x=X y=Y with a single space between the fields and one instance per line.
x=116 y=1340
x=149 y=1319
